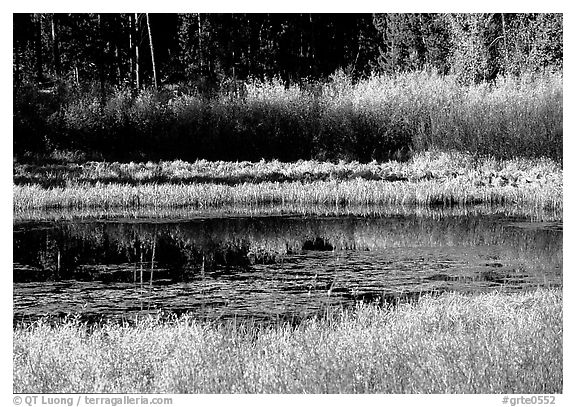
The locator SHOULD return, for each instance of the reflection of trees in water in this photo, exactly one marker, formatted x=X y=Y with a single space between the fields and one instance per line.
x=181 y=248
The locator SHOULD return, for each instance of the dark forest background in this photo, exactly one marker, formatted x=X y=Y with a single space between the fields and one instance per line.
x=64 y=59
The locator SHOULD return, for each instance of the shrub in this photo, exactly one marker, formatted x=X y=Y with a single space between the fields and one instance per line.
x=378 y=118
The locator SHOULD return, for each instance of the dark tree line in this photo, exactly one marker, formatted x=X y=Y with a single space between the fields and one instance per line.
x=205 y=50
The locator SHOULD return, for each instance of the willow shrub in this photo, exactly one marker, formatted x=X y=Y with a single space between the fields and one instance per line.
x=378 y=118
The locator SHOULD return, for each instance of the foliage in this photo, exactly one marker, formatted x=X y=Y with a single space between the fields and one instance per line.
x=210 y=48
x=379 y=118
x=475 y=47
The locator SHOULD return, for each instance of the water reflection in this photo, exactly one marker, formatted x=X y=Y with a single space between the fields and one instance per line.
x=272 y=266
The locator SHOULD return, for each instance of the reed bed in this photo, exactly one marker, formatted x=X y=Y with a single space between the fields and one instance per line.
x=353 y=192
x=425 y=165
x=533 y=213
x=452 y=343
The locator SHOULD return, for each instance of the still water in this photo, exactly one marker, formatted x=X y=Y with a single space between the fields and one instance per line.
x=272 y=266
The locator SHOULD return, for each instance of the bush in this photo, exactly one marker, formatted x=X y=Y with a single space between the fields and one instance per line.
x=378 y=118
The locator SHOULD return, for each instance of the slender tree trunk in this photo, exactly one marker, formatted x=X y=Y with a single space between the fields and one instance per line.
x=101 y=62
x=118 y=64
x=76 y=74
x=136 y=52
x=55 y=50
x=131 y=48
x=312 y=45
x=505 y=43
x=38 y=48
x=118 y=27
x=152 y=51
x=200 y=59
x=17 y=69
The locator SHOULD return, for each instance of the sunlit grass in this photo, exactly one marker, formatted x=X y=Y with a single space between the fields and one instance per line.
x=483 y=343
x=426 y=165
x=534 y=213
x=448 y=179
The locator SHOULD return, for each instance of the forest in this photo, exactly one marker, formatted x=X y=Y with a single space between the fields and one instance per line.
x=285 y=86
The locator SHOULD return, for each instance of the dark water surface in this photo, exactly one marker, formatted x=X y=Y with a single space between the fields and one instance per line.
x=274 y=266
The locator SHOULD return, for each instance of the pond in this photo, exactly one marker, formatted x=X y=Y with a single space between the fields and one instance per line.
x=270 y=267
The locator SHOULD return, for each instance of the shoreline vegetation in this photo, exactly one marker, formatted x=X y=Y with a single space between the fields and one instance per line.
x=452 y=343
x=426 y=180
x=381 y=117
x=182 y=213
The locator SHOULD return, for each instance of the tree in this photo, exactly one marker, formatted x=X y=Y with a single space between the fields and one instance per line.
x=55 y=50
x=412 y=42
x=534 y=42
x=209 y=48
x=136 y=51
x=151 y=51
x=470 y=56
x=38 y=48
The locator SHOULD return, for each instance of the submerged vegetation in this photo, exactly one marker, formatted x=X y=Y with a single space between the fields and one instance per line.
x=454 y=343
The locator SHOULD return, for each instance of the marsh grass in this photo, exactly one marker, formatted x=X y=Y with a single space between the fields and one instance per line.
x=452 y=343
x=432 y=178
x=359 y=192
x=532 y=213
x=426 y=165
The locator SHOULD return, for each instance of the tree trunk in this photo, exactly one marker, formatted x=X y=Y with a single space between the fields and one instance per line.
x=119 y=30
x=101 y=61
x=131 y=48
x=38 y=47
x=200 y=44
x=17 y=69
x=151 y=51
x=55 y=50
x=76 y=74
x=136 y=52
x=505 y=44
x=118 y=64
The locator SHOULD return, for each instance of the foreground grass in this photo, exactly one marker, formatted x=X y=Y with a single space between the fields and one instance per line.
x=485 y=343
x=431 y=178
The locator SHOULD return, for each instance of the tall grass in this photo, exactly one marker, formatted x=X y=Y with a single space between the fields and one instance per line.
x=427 y=179
x=427 y=165
x=437 y=212
x=455 y=343
x=354 y=192
x=377 y=118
